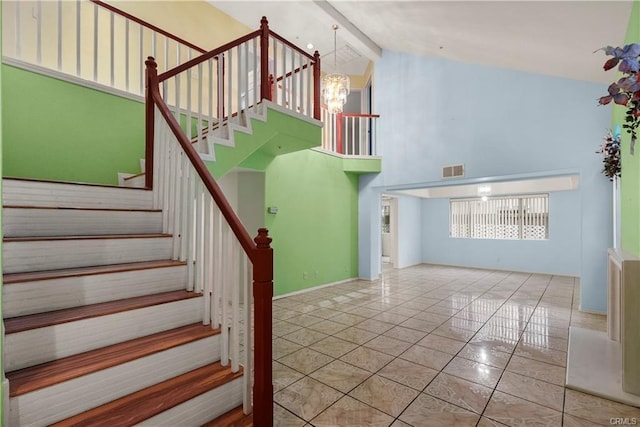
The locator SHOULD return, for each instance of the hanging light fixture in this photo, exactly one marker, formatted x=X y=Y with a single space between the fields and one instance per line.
x=335 y=86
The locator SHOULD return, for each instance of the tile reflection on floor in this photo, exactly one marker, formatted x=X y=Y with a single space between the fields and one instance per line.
x=433 y=346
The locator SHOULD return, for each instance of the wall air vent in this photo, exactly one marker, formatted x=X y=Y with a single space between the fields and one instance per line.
x=453 y=171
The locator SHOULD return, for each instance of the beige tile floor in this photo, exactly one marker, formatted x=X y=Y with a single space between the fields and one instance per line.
x=433 y=346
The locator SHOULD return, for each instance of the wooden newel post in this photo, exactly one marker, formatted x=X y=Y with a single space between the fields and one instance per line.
x=316 y=85
x=262 y=296
x=151 y=83
x=265 y=90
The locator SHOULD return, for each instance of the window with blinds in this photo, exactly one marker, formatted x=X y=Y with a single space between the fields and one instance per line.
x=515 y=217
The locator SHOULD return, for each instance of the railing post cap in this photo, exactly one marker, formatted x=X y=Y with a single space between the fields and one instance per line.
x=151 y=62
x=262 y=239
x=264 y=21
x=316 y=54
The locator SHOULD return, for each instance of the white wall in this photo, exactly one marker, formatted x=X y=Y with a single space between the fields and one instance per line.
x=245 y=192
x=501 y=124
x=409 y=231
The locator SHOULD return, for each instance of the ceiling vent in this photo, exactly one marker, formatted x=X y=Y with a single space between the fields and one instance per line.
x=453 y=171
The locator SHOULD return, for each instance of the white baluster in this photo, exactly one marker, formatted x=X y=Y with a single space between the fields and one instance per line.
x=189 y=115
x=235 y=284
x=141 y=56
x=217 y=267
x=220 y=89
x=39 y=32
x=229 y=71
x=256 y=69
x=275 y=73
x=186 y=202
x=19 y=33
x=59 y=34
x=226 y=280
x=199 y=271
x=111 y=47
x=191 y=228
x=126 y=55
x=248 y=353
x=199 y=117
x=95 y=43
x=206 y=258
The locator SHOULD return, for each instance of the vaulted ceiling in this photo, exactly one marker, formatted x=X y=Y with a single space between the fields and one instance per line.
x=548 y=37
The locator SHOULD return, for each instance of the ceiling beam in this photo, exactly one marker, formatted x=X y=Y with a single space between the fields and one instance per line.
x=351 y=34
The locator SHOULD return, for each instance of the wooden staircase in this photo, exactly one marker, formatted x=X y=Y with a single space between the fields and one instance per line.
x=99 y=329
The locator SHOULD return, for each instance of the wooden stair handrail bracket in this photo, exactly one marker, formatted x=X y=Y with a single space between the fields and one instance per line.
x=258 y=250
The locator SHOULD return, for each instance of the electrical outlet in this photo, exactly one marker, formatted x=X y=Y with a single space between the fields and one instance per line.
x=315 y=274
x=304 y=275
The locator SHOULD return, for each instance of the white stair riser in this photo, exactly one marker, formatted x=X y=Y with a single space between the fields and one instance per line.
x=52 y=194
x=26 y=256
x=28 y=348
x=55 y=403
x=200 y=409
x=38 y=296
x=24 y=222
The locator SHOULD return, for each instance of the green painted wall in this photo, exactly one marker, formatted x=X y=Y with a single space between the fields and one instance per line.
x=316 y=228
x=61 y=131
x=630 y=183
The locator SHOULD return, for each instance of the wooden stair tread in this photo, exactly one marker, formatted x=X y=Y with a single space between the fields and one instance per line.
x=47 y=374
x=64 y=208
x=40 y=320
x=146 y=403
x=89 y=237
x=84 y=184
x=233 y=418
x=87 y=271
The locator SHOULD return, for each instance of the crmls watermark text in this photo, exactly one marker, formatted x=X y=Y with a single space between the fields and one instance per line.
x=623 y=421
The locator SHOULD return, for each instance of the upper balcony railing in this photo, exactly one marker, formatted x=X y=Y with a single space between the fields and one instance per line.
x=89 y=40
x=94 y=43
x=350 y=134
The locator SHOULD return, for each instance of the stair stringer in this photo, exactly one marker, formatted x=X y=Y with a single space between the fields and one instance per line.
x=262 y=134
x=226 y=135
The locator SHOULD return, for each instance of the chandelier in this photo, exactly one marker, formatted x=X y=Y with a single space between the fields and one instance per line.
x=335 y=86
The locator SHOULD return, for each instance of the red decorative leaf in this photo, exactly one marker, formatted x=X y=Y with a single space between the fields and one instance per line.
x=611 y=63
x=605 y=100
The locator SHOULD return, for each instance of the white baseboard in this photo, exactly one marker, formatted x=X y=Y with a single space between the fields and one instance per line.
x=581 y=310
x=314 y=288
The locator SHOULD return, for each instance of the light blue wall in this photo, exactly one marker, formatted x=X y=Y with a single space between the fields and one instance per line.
x=558 y=255
x=499 y=123
x=409 y=241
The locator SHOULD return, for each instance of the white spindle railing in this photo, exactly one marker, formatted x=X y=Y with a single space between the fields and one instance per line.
x=218 y=266
x=292 y=76
x=89 y=40
x=350 y=134
x=208 y=96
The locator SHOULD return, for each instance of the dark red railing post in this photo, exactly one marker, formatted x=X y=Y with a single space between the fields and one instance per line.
x=339 y=133
x=151 y=80
x=316 y=86
x=265 y=91
x=262 y=296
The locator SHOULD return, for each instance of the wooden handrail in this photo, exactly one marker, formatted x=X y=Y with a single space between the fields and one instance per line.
x=148 y=25
x=213 y=53
x=291 y=45
x=370 y=116
x=258 y=251
x=211 y=185
x=290 y=73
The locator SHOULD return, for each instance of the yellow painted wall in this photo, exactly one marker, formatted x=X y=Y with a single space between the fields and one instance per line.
x=195 y=21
